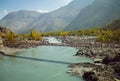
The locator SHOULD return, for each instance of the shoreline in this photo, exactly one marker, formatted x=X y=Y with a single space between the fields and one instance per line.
x=105 y=67
x=97 y=71
x=11 y=51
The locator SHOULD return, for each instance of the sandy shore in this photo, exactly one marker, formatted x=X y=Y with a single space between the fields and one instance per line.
x=11 y=51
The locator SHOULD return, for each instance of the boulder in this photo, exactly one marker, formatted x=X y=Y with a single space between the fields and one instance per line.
x=90 y=76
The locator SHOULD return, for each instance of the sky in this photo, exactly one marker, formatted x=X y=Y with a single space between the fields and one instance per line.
x=43 y=6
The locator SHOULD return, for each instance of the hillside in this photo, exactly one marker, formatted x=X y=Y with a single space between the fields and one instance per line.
x=115 y=25
x=100 y=13
x=18 y=20
x=58 y=19
x=55 y=20
x=4 y=30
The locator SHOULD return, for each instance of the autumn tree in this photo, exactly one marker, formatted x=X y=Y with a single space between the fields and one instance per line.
x=10 y=36
x=35 y=35
x=63 y=33
x=106 y=36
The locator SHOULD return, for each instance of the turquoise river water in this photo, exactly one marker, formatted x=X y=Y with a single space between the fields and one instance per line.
x=44 y=63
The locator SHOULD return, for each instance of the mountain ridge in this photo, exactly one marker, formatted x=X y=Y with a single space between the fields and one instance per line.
x=99 y=13
x=19 y=19
x=52 y=21
x=61 y=17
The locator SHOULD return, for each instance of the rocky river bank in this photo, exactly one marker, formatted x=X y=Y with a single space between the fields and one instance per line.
x=106 y=56
x=106 y=66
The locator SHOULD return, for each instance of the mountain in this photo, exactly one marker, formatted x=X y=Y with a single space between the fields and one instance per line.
x=17 y=21
x=61 y=17
x=3 y=13
x=115 y=25
x=99 y=13
x=5 y=30
x=55 y=20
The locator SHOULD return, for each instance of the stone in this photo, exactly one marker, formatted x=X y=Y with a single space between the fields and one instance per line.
x=1 y=43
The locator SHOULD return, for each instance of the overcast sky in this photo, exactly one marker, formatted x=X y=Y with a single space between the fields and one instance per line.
x=38 y=5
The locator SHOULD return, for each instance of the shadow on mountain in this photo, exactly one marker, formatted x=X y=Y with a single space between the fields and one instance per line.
x=36 y=59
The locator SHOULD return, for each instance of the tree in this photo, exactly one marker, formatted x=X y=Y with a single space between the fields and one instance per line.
x=35 y=35
x=63 y=33
x=10 y=36
x=0 y=34
x=106 y=36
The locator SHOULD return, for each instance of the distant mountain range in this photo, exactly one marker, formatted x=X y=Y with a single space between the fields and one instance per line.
x=23 y=21
x=60 y=18
x=17 y=21
x=100 y=13
x=78 y=14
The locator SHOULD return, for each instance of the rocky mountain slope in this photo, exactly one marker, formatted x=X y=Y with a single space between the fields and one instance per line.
x=58 y=19
x=17 y=21
x=25 y=21
x=100 y=13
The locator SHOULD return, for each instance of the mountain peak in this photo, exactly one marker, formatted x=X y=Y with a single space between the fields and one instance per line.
x=19 y=19
x=26 y=20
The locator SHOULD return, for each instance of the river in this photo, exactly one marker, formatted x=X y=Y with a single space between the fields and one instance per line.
x=44 y=63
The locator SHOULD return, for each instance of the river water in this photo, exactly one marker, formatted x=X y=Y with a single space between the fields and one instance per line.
x=44 y=63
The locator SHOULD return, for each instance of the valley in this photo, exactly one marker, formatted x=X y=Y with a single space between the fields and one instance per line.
x=79 y=41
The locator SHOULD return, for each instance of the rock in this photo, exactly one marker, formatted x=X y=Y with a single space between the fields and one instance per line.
x=4 y=30
x=111 y=58
x=90 y=76
x=85 y=52
x=117 y=73
x=1 y=43
x=79 y=52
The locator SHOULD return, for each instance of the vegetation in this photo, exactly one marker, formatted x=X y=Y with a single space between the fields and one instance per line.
x=106 y=34
x=10 y=37
x=35 y=35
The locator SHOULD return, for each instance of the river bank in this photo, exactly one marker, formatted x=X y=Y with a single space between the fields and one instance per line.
x=44 y=63
x=11 y=51
x=12 y=47
x=106 y=59
x=105 y=67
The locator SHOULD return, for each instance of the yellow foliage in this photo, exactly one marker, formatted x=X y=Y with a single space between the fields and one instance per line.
x=35 y=35
x=63 y=33
x=106 y=36
x=0 y=34
x=10 y=36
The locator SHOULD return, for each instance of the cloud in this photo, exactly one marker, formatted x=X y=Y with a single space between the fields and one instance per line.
x=66 y=1
x=5 y=12
x=43 y=11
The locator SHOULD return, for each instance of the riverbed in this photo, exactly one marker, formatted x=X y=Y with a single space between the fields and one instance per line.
x=44 y=63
